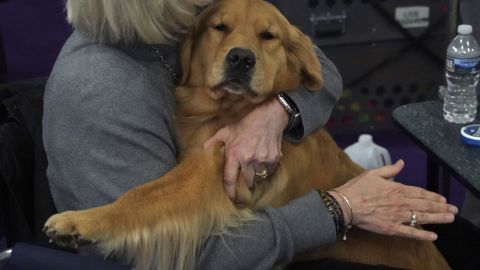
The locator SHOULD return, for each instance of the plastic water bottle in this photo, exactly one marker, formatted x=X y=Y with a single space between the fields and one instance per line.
x=462 y=72
x=367 y=154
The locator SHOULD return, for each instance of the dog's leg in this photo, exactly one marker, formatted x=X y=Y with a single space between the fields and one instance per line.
x=159 y=224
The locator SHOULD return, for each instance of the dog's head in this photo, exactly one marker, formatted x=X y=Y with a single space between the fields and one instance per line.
x=247 y=48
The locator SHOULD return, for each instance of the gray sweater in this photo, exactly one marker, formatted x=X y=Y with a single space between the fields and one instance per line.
x=107 y=128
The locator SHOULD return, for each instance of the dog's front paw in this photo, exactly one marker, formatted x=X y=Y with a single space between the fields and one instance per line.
x=69 y=229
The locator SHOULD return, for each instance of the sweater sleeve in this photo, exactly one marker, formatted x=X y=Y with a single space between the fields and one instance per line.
x=274 y=239
x=315 y=107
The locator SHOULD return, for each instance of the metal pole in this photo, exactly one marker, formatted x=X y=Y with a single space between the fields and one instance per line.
x=453 y=19
x=3 y=60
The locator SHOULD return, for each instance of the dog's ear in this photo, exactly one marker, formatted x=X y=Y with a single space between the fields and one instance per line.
x=186 y=48
x=302 y=49
x=188 y=42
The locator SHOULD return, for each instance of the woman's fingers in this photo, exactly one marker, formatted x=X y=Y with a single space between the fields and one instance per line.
x=424 y=218
x=401 y=226
x=430 y=206
x=417 y=192
x=435 y=218
x=413 y=232
x=389 y=171
x=230 y=175
x=248 y=172
x=220 y=136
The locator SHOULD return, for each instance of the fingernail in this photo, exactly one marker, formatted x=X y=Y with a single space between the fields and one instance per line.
x=433 y=237
x=453 y=209
x=443 y=199
x=449 y=217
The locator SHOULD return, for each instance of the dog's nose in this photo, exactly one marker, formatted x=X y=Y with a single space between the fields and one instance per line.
x=243 y=59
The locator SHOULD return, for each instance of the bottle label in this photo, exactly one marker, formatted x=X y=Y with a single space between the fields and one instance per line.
x=463 y=65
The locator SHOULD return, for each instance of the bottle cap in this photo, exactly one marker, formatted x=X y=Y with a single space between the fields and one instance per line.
x=465 y=29
x=471 y=134
x=365 y=139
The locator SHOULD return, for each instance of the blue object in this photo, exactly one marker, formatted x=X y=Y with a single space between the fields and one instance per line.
x=471 y=134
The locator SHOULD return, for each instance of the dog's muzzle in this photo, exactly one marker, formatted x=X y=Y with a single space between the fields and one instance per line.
x=239 y=68
x=240 y=60
x=240 y=65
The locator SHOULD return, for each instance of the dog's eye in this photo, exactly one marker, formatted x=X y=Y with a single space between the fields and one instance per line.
x=221 y=27
x=266 y=35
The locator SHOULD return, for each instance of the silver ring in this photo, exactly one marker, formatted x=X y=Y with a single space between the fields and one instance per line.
x=413 y=220
x=262 y=174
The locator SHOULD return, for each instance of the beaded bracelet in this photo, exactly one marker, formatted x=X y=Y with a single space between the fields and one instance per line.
x=331 y=209
x=347 y=201
x=336 y=211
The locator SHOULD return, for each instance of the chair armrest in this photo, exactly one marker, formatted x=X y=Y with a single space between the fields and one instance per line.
x=5 y=255
x=31 y=257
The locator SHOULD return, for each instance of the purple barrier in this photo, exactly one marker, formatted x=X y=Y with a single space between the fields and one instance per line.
x=33 y=33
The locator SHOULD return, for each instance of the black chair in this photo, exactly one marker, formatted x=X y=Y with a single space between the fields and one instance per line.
x=4 y=259
x=25 y=199
x=32 y=257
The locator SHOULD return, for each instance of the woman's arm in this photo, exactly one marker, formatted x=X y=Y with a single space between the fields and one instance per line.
x=281 y=233
x=255 y=142
x=315 y=107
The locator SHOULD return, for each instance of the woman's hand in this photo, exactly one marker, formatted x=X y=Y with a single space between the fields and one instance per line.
x=387 y=207
x=252 y=145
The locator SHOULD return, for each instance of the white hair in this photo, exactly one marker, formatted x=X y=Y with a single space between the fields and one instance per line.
x=132 y=21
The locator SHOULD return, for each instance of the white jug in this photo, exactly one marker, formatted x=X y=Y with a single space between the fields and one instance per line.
x=367 y=154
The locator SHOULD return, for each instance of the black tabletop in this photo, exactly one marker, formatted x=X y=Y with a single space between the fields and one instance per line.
x=442 y=140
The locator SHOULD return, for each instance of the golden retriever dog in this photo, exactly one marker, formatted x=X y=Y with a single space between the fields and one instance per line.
x=162 y=224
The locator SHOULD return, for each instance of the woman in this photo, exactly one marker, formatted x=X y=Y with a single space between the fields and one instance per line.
x=107 y=128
